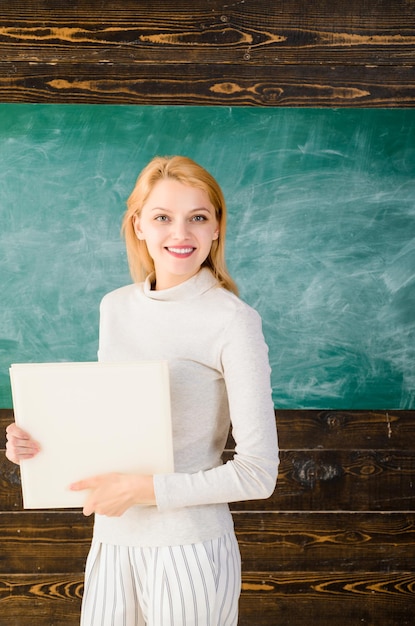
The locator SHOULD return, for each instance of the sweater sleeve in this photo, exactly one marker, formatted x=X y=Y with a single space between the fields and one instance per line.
x=252 y=472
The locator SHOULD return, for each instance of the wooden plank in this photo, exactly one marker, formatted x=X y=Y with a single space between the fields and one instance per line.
x=225 y=85
x=53 y=600
x=258 y=33
x=351 y=477
x=184 y=13
x=383 y=599
x=324 y=542
x=40 y=542
x=277 y=599
x=10 y=485
x=242 y=54
x=325 y=430
x=308 y=481
x=392 y=50
x=346 y=430
x=129 y=45
x=314 y=480
x=6 y=417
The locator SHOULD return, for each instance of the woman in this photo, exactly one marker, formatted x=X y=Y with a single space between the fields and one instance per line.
x=164 y=550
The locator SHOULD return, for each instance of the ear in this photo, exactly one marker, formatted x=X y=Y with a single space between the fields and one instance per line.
x=216 y=234
x=137 y=229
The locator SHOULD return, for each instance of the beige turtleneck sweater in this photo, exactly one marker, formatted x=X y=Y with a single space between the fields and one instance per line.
x=219 y=374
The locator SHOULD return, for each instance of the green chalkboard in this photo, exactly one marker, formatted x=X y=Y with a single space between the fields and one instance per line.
x=321 y=234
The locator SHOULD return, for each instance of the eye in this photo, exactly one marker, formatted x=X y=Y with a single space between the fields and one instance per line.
x=161 y=218
x=199 y=218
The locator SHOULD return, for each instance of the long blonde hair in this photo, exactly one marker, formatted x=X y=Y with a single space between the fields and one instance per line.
x=190 y=173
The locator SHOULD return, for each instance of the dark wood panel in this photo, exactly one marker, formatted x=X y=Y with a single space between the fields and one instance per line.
x=10 y=485
x=184 y=13
x=6 y=417
x=312 y=49
x=53 y=600
x=325 y=430
x=257 y=53
x=346 y=430
x=308 y=481
x=259 y=32
x=324 y=542
x=218 y=40
x=39 y=542
x=229 y=85
x=342 y=481
x=359 y=598
x=266 y=599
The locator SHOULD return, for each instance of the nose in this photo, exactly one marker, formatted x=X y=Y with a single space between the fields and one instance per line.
x=181 y=229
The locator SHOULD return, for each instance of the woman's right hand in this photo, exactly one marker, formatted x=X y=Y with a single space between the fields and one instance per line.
x=19 y=445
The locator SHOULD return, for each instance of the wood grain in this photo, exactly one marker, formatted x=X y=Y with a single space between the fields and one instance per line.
x=325 y=542
x=52 y=600
x=336 y=541
x=324 y=430
x=266 y=599
x=230 y=85
x=359 y=598
x=261 y=33
x=307 y=481
x=38 y=542
x=332 y=472
x=256 y=53
x=345 y=430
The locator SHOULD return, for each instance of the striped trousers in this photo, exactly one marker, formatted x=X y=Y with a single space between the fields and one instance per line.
x=186 y=585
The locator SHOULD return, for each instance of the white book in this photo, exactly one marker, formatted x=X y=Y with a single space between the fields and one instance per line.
x=90 y=419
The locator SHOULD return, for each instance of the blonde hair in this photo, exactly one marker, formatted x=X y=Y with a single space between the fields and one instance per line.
x=187 y=172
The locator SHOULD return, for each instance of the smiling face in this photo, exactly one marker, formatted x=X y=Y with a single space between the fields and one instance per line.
x=178 y=223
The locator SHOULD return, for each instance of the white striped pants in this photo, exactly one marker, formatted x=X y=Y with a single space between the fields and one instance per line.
x=190 y=585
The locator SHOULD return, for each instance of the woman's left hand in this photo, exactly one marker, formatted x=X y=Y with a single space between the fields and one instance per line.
x=112 y=494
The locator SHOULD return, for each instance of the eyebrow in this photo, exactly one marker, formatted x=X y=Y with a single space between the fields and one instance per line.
x=196 y=210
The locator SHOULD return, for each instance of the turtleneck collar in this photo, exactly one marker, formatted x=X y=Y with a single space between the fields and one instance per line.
x=191 y=288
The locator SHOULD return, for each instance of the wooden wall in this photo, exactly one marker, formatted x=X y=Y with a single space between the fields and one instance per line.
x=335 y=544
x=357 y=53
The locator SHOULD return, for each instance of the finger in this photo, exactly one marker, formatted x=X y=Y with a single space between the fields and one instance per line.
x=89 y=504
x=12 y=457
x=24 y=451
x=24 y=444
x=80 y=485
x=17 y=453
x=13 y=430
x=88 y=510
x=24 y=454
x=20 y=440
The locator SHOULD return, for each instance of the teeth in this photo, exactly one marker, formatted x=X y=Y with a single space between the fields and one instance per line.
x=180 y=250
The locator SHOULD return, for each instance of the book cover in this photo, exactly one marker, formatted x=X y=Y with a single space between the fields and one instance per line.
x=90 y=418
